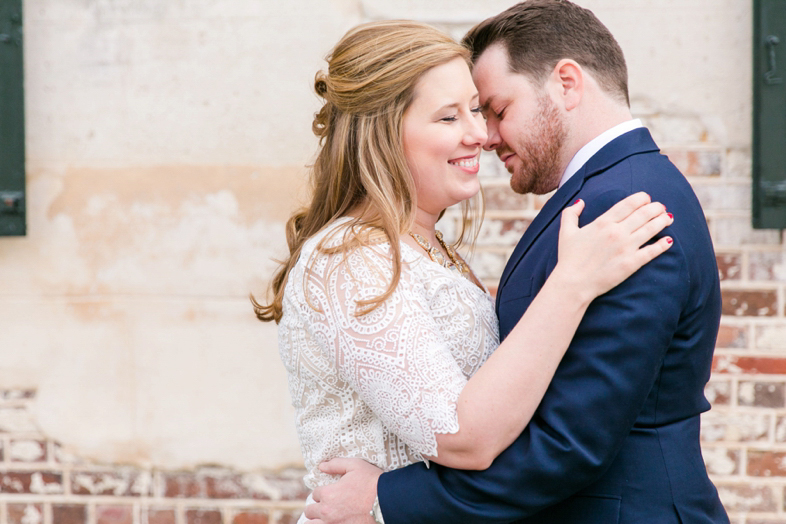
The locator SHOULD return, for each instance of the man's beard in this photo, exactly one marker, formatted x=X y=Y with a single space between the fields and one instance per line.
x=539 y=152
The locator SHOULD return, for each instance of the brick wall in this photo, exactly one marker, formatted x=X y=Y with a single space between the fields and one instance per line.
x=41 y=483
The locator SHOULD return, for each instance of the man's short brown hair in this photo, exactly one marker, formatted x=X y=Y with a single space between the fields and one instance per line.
x=539 y=33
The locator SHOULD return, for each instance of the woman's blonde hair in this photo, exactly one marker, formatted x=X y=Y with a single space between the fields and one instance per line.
x=371 y=77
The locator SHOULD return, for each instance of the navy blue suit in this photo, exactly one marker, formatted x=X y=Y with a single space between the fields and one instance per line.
x=616 y=437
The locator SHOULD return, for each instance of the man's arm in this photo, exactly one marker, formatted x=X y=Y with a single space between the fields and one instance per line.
x=588 y=411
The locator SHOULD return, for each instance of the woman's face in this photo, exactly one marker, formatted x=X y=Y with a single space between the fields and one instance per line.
x=443 y=134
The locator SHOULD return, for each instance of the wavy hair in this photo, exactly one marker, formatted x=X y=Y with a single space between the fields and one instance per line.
x=369 y=84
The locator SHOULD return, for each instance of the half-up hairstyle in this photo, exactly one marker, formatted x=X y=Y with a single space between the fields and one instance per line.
x=371 y=77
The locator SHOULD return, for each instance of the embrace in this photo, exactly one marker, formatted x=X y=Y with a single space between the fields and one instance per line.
x=575 y=399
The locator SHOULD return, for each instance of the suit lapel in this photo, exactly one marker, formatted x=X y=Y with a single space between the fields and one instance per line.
x=633 y=142
x=546 y=216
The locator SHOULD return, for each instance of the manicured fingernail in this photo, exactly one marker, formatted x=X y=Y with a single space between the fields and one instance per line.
x=577 y=201
x=670 y=215
x=669 y=240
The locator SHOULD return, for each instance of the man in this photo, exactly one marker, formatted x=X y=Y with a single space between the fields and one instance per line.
x=616 y=437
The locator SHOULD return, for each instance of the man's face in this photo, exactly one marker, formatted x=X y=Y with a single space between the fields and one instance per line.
x=525 y=127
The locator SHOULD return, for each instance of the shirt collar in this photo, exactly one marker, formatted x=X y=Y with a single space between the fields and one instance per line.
x=595 y=145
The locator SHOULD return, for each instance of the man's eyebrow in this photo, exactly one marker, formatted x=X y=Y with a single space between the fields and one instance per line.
x=486 y=105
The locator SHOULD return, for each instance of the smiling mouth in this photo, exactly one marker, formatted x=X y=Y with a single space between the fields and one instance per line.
x=504 y=156
x=469 y=163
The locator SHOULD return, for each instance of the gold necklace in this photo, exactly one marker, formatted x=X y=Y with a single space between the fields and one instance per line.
x=455 y=263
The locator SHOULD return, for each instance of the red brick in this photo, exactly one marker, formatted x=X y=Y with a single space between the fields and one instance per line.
x=203 y=516
x=25 y=482
x=721 y=461
x=747 y=497
x=114 y=515
x=288 y=485
x=487 y=264
x=158 y=516
x=540 y=200
x=122 y=483
x=729 y=266
x=780 y=429
x=251 y=517
x=762 y=303
x=288 y=518
x=718 y=392
x=766 y=464
x=761 y=394
x=69 y=514
x=204 y=485
x=771 y=337
x=25 y=513
x=749 y=365
x=27 y=451
x=62 y=456
x=503 y=198
x=717 y=426
x=767 y=266
x=735 y=337
x=15 y=419
x=502 y=231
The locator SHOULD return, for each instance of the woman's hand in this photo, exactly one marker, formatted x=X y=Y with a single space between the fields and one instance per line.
x=605 y=252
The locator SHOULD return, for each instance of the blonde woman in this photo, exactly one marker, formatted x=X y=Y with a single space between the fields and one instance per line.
x=390 y=341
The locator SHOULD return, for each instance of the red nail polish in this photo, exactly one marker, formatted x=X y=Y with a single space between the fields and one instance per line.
x=670 y=215
x=669 y=240
x=577 y=201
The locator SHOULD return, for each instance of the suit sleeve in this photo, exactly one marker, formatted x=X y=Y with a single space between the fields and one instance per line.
x=590 y=407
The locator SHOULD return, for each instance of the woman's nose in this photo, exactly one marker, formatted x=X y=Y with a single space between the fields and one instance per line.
x=493 y=140
x=476 y=132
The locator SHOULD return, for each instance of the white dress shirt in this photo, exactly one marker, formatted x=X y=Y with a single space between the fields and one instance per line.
x=595 y=145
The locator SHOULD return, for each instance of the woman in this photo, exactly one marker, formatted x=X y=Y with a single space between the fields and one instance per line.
x=383 y=328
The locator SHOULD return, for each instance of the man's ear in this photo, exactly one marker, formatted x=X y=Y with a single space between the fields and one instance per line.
x=568 y=80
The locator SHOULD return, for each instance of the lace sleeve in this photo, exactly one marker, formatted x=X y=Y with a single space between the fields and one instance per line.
x=394 y=357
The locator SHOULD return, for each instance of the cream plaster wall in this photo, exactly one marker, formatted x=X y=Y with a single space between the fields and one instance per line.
x=166 y=147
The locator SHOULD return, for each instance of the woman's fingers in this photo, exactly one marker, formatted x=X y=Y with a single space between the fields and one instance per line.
x=643 y=215
x=652 y=227
x=651 y=251
x=635 y=216
x=627 y=206
x=570 y=215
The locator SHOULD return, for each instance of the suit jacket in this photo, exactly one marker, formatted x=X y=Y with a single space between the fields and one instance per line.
x=616 y=437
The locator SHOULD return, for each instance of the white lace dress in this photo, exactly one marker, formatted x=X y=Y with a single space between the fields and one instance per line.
x=378 y=386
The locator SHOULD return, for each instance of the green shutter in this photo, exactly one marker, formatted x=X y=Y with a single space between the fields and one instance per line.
x=769 y=114
x=12 y=120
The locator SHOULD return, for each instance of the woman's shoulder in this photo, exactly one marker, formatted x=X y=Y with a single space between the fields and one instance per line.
x=356 y=239
x=346 y=241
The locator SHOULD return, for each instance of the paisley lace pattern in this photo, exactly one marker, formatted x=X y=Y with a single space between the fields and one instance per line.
x=378 y=386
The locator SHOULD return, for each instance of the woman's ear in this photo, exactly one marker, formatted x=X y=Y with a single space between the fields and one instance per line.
x=568 y=81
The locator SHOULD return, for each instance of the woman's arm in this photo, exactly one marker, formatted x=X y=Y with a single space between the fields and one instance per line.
x=500 y=399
